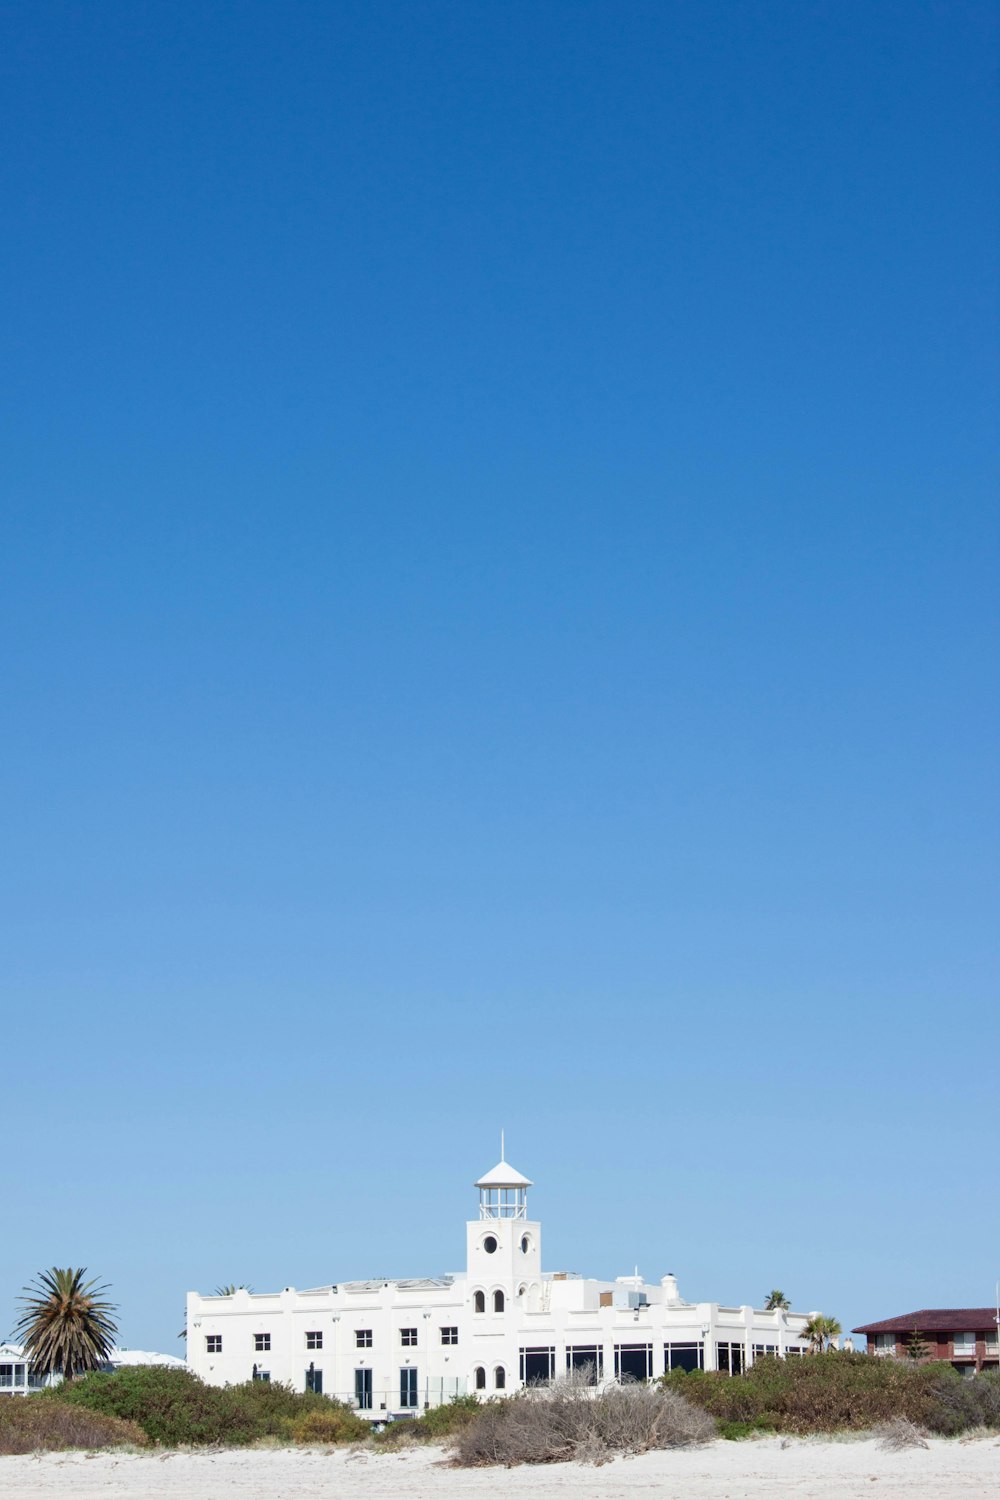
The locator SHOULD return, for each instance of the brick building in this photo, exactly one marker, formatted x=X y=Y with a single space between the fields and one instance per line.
x=965 y=1336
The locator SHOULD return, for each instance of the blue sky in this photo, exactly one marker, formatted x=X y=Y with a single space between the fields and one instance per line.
x=498 y=612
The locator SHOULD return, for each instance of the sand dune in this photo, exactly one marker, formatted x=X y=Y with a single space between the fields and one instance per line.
x=758 y=1470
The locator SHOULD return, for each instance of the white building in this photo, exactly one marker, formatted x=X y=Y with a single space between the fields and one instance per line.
x=392 y=1348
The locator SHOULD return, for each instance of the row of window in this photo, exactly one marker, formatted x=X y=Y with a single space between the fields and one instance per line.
x=363 y=1338
x=538 y=1367
x=632 y=1361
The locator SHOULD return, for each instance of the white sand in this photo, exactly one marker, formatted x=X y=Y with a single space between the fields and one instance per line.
x=756 y=1470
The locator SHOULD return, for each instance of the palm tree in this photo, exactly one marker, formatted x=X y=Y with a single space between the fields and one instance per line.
x=66 y=1327
x=818 y=1331
x=776 y=1302
x=230 y=1289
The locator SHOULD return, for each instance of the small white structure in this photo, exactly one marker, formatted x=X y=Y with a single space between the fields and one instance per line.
x=127 y=1359
x=17 y=1377
x=393 y=1348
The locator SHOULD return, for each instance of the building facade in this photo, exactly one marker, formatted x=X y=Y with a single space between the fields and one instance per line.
x=965 y=1336
x=394 y=1348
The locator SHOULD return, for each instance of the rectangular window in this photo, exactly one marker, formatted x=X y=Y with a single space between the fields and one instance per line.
x=633 y=1362
x=408 y=1387
x=408 y=1338
x=684 y=1356
x=363 y=1390
x=314 y=1380
x=314 y=1340
x=213 y=1343
x=538 y=1366
x=264 y=1375
x=262 y=1342
x=363 y=1337
x=965 y=1343
x=585 y=1361
x=6 y=1376
x=449 y=1335
x=729 y=1358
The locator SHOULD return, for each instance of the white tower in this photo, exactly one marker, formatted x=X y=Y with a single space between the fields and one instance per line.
x=504 y=1246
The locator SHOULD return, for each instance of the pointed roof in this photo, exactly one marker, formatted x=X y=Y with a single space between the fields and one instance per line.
x=504 y=1175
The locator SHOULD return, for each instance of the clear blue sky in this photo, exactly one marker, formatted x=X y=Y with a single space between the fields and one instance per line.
x=498 y=601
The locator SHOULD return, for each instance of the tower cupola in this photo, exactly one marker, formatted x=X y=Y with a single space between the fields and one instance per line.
x=503 y=1193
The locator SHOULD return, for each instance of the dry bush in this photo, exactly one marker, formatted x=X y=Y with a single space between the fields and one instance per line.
x=899 y=1434
x=336 y=1425
x=636 y=1418
x=572 y=1421
x=30 y=1425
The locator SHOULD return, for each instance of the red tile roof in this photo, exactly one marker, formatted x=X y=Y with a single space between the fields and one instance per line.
x=937 y=1320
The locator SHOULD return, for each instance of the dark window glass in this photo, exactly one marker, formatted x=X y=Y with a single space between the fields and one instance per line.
x=538 y=1366
x=633 y=1361
x=683 y=1357
x=587 y=1361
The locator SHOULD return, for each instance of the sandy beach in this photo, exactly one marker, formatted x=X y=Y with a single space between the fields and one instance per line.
x=725 y=1471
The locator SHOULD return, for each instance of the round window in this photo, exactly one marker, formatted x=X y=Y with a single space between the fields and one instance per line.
x=489 y=1244
x=525 y=1244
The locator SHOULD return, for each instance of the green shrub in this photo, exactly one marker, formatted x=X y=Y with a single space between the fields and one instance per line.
x=736 y=1431
x=29 y=1424
x=837 y=1391
x=441 y=1421
x=956 y=1404
x=176 y=1409
x=173 y=1407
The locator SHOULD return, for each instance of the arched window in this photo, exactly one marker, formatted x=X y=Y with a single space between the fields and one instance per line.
x=479 y=1302
x=499 y=1378
x=480 y=1378
x=525 y=1244
x=521 y=1289
x=498 y=1301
